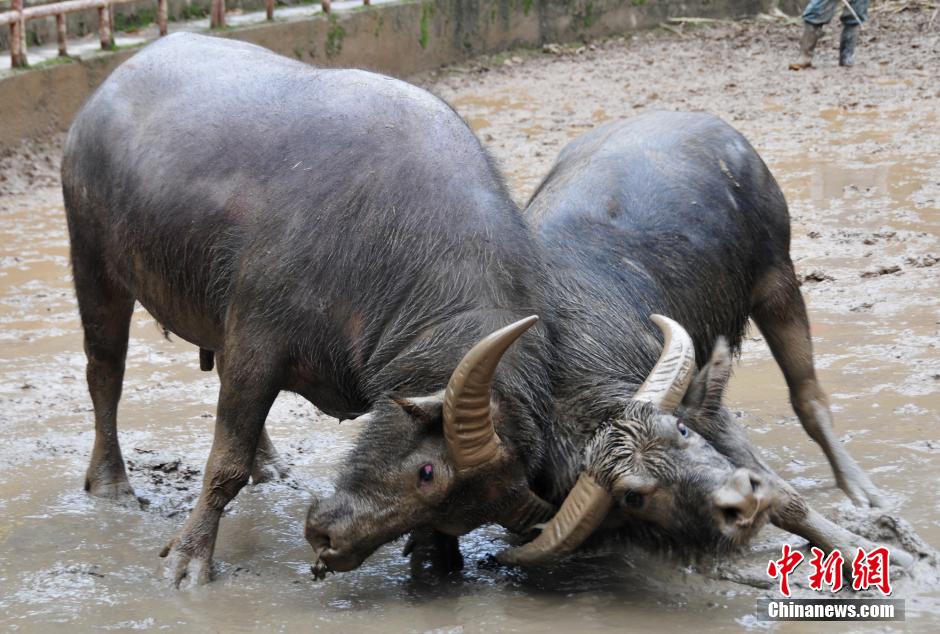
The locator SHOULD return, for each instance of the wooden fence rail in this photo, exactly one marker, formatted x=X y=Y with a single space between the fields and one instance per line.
x=17 y=17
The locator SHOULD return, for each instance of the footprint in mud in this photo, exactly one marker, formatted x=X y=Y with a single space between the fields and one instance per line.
x=171 y=486
x=881 y=270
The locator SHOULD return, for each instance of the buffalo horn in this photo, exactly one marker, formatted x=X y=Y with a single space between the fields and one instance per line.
x=468 y=425
x=581 y=513
x=670 y=377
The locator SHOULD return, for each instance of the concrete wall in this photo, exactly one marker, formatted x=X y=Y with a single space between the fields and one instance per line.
x=398 y=39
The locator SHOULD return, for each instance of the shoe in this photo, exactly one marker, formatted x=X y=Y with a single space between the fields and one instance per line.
x=847 y=45
x=811 y=35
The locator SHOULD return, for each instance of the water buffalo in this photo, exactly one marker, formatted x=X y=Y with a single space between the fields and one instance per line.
x=671 y=213
x=335 y=233
x=344 y=236
x=641 y=481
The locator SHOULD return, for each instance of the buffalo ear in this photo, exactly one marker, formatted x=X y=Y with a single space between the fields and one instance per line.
x=425 y=409
x=708 y=387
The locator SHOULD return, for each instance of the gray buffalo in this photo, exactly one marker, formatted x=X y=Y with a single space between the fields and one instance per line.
x=334 y=233
x=671 y=213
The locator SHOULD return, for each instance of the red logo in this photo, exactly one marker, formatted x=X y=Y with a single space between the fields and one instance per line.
x=826 y=571
x=868 y=569
x=871 y=569
x=784 y=566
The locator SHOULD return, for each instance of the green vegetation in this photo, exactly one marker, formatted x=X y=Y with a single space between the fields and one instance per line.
x=299 y=52
x=427 y=11
x=334 y=37
x=52 y=61
x=589 y=15
x=378 y=26
x=126 y=47
x=527 y=6
x=136 y=20
x=193 y=12
x=638 y=3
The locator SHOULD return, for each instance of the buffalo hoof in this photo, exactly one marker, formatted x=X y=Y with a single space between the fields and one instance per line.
x=180 y=565
x=269 y=471
x=111 y=490
x=861 y=491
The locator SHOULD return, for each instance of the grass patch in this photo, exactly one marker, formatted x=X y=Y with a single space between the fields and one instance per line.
x=49 y=63
x=127 y=47
x=427 y=11
x=334 y=37
x=136 y=20
x=589 y=17
x=193 y=12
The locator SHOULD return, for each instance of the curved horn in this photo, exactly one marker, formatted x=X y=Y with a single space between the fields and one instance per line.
x=581 y=513
x=468 y=427
x=670 y=377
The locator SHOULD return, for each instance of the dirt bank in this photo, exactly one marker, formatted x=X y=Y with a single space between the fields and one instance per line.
x=856 y=153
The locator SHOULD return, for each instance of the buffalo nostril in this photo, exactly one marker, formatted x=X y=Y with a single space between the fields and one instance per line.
x=731 y=514
x=755 y=484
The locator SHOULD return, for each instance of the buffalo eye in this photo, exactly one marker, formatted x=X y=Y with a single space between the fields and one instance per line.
x=632 y=499
x=683 y=430
x=426 y=473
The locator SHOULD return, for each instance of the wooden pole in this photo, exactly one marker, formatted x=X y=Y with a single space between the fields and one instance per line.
x=325 y=5
x=161 y=15
x=269 y=7
x=104 y=27
x=18 y=37
x=217 y=18
x=61 y=34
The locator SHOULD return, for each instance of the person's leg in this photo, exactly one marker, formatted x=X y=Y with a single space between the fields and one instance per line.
x=816 y=14
x=820 y=12
x=861 y=10
x=850 y=25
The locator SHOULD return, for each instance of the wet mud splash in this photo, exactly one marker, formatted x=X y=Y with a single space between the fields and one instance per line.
x=857 y=156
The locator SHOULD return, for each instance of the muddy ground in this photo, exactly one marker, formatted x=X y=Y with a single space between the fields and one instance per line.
x=858 y=156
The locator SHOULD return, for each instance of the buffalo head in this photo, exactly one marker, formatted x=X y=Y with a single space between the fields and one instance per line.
x=434 y=460
x=652 y=478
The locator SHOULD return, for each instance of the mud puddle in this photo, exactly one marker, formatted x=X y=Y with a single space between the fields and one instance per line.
x=863 y=185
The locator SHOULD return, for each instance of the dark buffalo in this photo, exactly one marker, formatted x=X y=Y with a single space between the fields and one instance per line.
x=334 y=233
x=671 y=213
x=676 y=473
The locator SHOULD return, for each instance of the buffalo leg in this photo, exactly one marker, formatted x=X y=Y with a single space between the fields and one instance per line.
x=793 y=515
x=780 y=314
x=105 y=309
x=250 y=383
x=433 y=554
x=268 y=464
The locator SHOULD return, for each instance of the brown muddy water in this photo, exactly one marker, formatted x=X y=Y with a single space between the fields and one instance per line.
x=858 y=156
